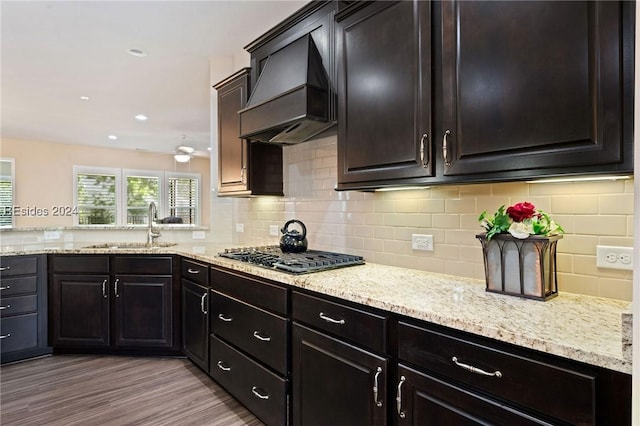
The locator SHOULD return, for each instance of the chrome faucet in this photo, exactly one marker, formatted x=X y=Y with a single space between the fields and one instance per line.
x=152 y=232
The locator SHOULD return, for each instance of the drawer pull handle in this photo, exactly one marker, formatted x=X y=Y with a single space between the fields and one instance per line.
x=7 y=287
x=4 y=336
x=115 y=287
x=2 y=308
x=202 y=305
x=193 y=271
x=4 y=268
x=375 y=387
x=331 y=320
x=476 y=370
x=255 y=390
x=399 y=398
x=225 y=319
x=257 y=335
x=222 y=366
x=104 y=289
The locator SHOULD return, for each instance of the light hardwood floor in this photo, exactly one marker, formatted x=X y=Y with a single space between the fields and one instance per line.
x=107 y=390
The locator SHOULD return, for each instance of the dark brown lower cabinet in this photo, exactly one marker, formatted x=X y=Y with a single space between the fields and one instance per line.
x=423 y=400
x=195 y=323
x=336 y=383
x=143 y=311
x=23 y=307
x=114 y=302
x=81 y=310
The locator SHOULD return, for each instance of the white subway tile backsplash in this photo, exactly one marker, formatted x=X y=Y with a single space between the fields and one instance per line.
x=379 y=225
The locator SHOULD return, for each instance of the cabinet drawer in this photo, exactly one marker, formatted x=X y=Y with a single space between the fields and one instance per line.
x=261 y=334
x=423 y=399
x=18 y=305
x=195 y=272
x=18 y=285
x=80 y=264
x=142 y=265
x=19 y=333
x=361 y=327
x=18 y=265
x=561 y=393
x=258 y=293
x=261 y=391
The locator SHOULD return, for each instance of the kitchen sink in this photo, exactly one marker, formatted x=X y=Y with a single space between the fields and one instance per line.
x=129 y=246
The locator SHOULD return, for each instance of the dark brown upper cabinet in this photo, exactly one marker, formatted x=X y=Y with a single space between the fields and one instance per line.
x=483 y=91
x=534 y=88
x=384 y=93
x=244 y=168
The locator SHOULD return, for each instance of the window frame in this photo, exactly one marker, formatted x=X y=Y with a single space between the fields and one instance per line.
x=12 y=179
x=121 y=176
x=104 y=171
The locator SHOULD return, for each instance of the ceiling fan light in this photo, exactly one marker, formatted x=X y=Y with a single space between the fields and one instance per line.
x=182 y=158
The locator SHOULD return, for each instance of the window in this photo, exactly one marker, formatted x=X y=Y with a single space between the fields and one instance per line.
x=183 y=197
x=102 y=199
x=6 y=192
x=96 y=194
x=142 y=188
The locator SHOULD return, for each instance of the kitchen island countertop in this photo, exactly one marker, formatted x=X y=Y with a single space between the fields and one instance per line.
x=582 y=328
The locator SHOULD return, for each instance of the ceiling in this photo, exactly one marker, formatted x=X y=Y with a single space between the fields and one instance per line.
x=55 y=52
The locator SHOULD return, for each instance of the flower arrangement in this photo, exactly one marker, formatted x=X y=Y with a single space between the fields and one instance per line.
x=520 y=220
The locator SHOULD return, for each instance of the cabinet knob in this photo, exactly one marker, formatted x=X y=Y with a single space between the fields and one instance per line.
x=7 y=287
x=445 y=154
x=4 y=268
x=2 y=308
x=5 y=336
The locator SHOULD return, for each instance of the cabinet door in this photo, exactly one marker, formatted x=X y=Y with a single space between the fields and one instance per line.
x=143 y=314
x=533 y=86
x=232 y=151
x=422 y=400
x=384 y=93
x=335 y=383
x=80 y=310
x=195 y=323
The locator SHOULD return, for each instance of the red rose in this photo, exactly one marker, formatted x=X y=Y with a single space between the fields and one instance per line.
x=521 y=211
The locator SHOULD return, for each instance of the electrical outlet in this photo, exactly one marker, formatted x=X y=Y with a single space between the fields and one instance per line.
x=52 y=235
x=422 y=242
x=239 y=227
x=197 y=235
x=274 y=230
x=614 y=257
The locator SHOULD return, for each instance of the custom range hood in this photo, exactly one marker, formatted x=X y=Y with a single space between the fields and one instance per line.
x=290 y=102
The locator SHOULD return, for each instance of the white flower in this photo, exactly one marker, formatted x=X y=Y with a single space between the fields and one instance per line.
x=521 y=230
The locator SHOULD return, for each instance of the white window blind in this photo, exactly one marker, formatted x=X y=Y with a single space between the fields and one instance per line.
x=6 y=202
x=183 y=198
x=96 y=198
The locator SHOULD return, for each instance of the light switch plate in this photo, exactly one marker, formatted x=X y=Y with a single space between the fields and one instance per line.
x=274 y=230
x=52 y=235
x=239 y=227
x=197 y=235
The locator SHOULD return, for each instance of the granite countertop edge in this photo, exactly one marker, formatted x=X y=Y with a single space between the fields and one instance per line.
x=581 y=328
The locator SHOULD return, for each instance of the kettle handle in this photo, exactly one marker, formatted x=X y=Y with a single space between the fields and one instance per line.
x=285 y=229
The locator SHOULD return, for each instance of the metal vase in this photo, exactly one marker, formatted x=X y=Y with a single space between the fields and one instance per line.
x=521 y=267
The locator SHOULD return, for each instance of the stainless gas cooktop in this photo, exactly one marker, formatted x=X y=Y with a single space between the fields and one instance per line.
x=295 y=263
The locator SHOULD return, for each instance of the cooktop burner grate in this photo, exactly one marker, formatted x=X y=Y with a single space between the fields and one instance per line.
x=295 y=263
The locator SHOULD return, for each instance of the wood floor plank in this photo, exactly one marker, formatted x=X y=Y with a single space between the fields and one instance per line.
x=66 y=390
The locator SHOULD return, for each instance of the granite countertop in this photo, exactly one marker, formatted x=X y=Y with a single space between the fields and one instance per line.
x=583 y=328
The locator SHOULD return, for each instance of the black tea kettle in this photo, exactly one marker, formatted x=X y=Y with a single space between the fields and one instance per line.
x=293 y=241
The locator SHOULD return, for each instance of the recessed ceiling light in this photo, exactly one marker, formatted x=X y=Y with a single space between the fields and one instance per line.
x=84 y=98
x=112 y=137
x=209 y=149
x=141 y=117
x=137 y=53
